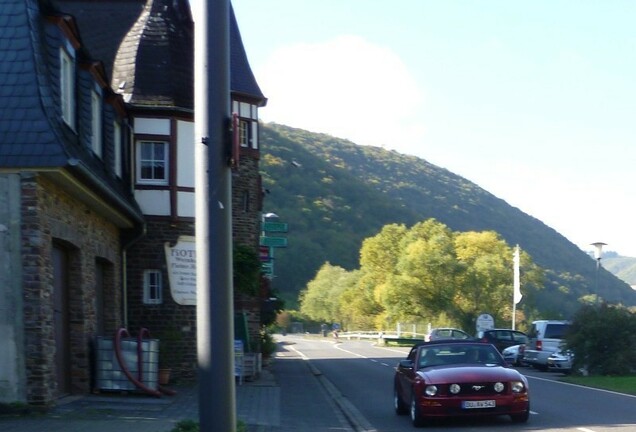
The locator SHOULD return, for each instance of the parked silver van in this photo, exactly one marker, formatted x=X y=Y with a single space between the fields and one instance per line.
x=545 y=338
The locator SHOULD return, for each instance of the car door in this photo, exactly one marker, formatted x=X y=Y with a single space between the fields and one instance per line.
x=502 y=339
x=405 y=374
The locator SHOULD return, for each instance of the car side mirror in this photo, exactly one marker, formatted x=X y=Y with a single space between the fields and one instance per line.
x=406 y=364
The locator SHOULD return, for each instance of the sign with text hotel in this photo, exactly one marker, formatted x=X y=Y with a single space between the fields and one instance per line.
x=182 y=270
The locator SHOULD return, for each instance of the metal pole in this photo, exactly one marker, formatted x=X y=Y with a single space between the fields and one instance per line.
x=215 y=317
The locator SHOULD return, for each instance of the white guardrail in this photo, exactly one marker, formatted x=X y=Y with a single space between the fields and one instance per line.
x=359 y=335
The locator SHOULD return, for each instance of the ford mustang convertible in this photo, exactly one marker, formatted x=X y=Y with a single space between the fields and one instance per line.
x=454 y=378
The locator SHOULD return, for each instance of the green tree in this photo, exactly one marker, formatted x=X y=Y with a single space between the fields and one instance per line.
x=603 y=338
x=486 y=280
x=423 y=281
x=320 y=301
x=358 y=306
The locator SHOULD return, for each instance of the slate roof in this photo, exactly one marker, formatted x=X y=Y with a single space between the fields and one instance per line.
x=242 y=79
x=31 y=133
x=28 y=136
x=147 y=48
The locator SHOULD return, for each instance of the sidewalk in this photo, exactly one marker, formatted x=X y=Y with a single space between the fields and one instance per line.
x=289 y=396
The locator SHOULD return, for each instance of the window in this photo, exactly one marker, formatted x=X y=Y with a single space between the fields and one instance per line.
x=96 y=123
x=248 y=124
x=244 y=133
x=152 y=162
x=246 y=201
x=117 y=149
x=67 y=87
x=152 y=287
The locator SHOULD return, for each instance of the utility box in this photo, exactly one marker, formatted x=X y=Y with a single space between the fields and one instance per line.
x=110 y=375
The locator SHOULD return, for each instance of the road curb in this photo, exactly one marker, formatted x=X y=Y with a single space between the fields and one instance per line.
x=358 y=422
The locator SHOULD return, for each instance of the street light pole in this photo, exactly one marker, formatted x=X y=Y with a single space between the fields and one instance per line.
x=598 y=254
x=213 y=199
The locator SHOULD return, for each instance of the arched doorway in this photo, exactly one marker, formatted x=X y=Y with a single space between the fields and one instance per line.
x=61 y=320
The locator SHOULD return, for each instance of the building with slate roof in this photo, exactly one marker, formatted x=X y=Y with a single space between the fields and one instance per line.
x=97 y=185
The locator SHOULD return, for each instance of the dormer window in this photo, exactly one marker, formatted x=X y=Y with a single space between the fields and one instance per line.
x=96 y=123
x=152 y=162
x=117 y=149
x=67 y=87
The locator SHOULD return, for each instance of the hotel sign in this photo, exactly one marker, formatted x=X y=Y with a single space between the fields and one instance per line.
x=182 y=270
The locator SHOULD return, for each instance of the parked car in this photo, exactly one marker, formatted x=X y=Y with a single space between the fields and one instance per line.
x=514 y=354
x=546 y=337
x=561 y=361
x=451 y=378
x=503 y=338
x=446 y=333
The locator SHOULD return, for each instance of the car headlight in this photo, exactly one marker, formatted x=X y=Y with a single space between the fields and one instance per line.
x=517 y=386
x=430 y=390
x=499 y=386
x=454 y=388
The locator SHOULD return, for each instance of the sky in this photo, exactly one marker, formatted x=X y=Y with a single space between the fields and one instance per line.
x=534 y=101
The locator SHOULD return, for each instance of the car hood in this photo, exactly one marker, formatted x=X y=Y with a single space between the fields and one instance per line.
x=468 y=373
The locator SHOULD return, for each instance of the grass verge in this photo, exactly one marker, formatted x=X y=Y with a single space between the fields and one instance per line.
x=621 y=384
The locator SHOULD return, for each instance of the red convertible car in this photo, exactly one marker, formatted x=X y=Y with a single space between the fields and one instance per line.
x=454 y=378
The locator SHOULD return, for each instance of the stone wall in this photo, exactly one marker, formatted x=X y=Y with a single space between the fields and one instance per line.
x=12 y=370
x=173 y=324
x=50 y=216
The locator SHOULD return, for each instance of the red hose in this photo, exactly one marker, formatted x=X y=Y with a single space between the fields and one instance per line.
x=124 y=367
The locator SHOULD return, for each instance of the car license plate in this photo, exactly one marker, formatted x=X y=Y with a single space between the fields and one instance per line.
x=478 y=404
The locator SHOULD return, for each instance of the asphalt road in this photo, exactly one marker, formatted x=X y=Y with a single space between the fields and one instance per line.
x=363 y=373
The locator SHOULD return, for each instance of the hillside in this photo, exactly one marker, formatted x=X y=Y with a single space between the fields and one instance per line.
x=623 y=267
x=334 y=193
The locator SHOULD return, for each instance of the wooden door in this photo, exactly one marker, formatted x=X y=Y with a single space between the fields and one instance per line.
x=61 y=321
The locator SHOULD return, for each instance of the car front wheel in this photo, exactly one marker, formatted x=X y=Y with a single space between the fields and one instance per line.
x=416 y=416
x=399 y=405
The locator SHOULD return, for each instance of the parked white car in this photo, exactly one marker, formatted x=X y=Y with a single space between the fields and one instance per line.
x=546 y=337
x=561 y=361
x=514 y=354
x=446 y=333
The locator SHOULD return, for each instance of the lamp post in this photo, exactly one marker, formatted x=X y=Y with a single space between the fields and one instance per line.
x=270 y=250
x=598 y=254
x=264 y=217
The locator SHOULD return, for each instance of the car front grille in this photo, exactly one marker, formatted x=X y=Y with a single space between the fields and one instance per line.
x=477 y=389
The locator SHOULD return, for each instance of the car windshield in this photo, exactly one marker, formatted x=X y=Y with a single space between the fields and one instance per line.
x=454 y=354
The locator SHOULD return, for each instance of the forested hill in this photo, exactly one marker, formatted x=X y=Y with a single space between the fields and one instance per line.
x=334 y=193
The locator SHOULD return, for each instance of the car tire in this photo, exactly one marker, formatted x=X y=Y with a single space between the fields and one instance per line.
x=400 y=407
x=520 y=418
x=417 y=418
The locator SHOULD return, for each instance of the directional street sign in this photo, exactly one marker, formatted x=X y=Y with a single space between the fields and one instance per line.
x=275 y=227
x=267 y=268
x=274 y=241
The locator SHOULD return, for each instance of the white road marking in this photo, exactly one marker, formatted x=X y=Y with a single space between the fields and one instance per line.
x=585 y=430
x=303 y=356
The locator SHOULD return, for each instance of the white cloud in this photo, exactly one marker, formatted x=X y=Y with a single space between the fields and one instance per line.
x=347 y=87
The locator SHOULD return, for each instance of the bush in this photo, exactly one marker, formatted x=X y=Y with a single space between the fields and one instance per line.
x=268 y=346
x=603 y=339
